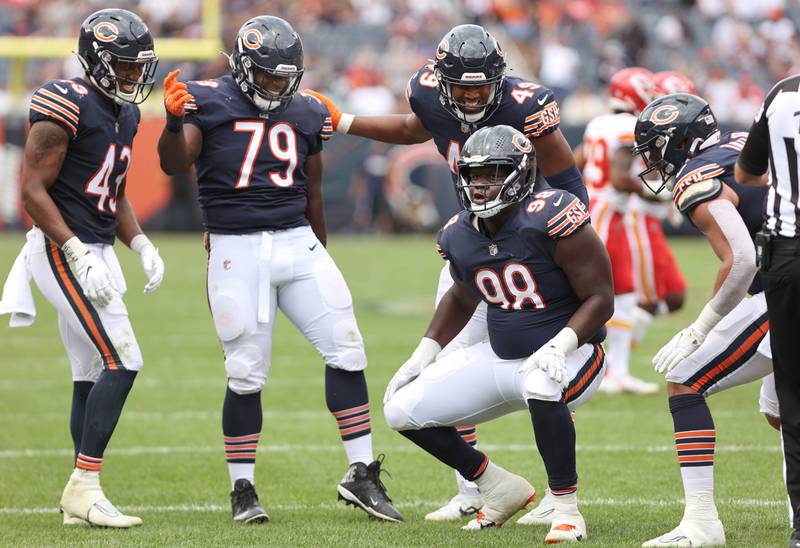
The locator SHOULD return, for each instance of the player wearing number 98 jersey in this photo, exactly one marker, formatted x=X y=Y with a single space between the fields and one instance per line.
x=465 y=88
x=256 y=145
x=544 y=274
x=77 y=155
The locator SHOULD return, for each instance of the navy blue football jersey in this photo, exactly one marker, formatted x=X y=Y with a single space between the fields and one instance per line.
x=695 y=185
x=515 y=273
x=525 y=106
x=250 y=170
x=101 y=138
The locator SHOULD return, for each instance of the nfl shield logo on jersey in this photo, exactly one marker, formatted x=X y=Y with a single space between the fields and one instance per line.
x=492 y=249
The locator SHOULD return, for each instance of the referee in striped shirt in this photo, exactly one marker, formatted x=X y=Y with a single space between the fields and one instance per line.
x=773 y=146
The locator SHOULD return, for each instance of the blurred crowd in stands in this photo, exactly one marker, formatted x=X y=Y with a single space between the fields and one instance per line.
x=363 y=51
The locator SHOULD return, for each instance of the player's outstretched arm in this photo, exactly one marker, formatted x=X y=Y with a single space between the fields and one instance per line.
x=725 y=230
x=397 y=129
x=315 y=208
x=584 y=260
x=557 y=163
x=179 y=144
x=45 y=151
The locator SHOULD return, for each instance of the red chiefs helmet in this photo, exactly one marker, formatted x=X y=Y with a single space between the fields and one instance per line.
x=671 y=82
x=631 y=89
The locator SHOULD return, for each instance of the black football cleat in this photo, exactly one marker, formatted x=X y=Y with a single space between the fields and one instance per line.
x=244 y=503
x=362 y=487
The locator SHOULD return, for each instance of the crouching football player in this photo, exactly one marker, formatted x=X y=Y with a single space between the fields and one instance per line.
x=546 y=277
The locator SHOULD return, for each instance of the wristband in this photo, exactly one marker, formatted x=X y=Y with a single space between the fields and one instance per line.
x=345 y=120
x=174 y=123
x=706 y=321
x=139 y=242
x=565 y=341
x=427 y=350
x=74 y=249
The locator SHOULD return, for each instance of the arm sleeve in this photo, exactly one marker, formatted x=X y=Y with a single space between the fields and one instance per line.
x=754 y=157
x=58 y=103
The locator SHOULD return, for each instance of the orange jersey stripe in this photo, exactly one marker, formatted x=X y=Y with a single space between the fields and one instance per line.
x=94 y=332
x=48 y=112
x=65 y=102
x=587 y=376
x=753 y=339
x=59 y=108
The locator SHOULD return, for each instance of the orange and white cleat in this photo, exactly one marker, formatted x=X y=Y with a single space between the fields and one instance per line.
x=504 y=495
x=83 y=499
x=568 y=523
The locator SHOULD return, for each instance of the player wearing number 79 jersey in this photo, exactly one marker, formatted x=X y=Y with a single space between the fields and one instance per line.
x=256 y=145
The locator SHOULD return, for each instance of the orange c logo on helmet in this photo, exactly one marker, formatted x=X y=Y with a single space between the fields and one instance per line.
x=664 y=114
x=252 y=39
x=521 y=143
x=443 y=47
x=105 y=31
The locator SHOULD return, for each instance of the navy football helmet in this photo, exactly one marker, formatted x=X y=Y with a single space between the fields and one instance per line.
x=468 y=55
x=267 y=44
x=110 y=42
x=670 y=131
x=513 y=159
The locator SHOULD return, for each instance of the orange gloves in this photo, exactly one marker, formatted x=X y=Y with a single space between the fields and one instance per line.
x=175 y=94
x=334 y=111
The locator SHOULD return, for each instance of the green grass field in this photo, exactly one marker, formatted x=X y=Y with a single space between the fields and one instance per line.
x=166 y=463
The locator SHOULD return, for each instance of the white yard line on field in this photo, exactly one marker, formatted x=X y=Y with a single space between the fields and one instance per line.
x=324 y=448
x=210 y=507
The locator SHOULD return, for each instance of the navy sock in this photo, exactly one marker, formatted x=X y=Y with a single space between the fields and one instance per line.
x=555 y=438
x=448 y=446
x=242 y=419
x=347 y=399
x=80 y=393
x=695 y=441
x=103 y=409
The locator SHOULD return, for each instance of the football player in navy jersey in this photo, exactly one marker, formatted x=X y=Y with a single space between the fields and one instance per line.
x=465 y=88
x=256 y=147
x=728 y=344
x=77 y=154
x=546 y=278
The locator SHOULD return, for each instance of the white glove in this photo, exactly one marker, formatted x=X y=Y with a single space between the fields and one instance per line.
x=152 y=263
x=422 y=357
x=552 y=357
x=92 y=273
x=686 y=341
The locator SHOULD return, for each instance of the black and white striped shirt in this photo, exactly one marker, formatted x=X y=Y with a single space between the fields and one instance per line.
x=774 y=143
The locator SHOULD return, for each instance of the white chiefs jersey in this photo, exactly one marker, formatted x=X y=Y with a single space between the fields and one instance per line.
x=603 y=137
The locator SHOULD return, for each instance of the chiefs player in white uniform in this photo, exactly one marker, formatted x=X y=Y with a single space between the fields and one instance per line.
x=660 y=285
x=606 y=158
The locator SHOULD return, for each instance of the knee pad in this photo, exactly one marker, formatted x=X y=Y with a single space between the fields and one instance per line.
x=244 y=368
x=348 y=345
x=230 y=310
x=396 y=418
x=538 y=386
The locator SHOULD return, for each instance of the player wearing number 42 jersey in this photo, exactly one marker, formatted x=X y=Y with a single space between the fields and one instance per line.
x=77 y=155
x=465 y=88
x=546 y=278
x=256 y=147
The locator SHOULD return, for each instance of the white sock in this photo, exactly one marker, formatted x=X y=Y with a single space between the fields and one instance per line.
x=359 y=449
x=566 y=504
x=466 y=487
x=239 y=470
x=620 y=334
x=700 y=506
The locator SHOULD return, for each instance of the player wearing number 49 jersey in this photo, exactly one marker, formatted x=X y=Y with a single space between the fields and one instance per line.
x=546 y=278
x=77 y=155
x=256 y=145
x=465 y=88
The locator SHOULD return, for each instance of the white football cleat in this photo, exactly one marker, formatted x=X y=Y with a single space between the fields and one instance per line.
x=691 y=533
x=568 y=524
x=71 y=520
x=542 y=514
x=460 y=506
x=627 y=384
x=83 y=498
x=504 y=495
